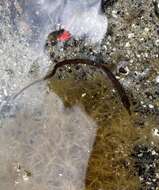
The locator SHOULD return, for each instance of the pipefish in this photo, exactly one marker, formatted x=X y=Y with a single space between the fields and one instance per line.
x=121 y=91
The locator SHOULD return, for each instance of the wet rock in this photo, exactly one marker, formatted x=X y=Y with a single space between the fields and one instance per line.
x=122 y=67
x=157 y=79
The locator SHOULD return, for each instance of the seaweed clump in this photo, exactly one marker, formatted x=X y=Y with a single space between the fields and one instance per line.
x=110 y=164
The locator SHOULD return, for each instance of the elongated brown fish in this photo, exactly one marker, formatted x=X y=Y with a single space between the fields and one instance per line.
x=124 y=98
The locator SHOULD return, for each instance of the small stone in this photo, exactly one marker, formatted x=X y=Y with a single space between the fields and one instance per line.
x=157 y=79
x=151 y=106
x=141 y=39
x=146 y=29
x=25 y=177
x=157 y=175
x=157 y=43
x=83 y=95
x=142 y=102
x=146 y=55
x=114 y=13
x=127 y=44
x=156 y=132
x=131 y=35
x=153 y=152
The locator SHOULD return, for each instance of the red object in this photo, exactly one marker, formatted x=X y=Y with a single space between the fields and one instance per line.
x=65 y=36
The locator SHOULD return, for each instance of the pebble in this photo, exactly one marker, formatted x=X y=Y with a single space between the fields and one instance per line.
x=131 y=35
x=157 y=42
x=25 y=177
x=157 y=79
x=127 y=44
x=83 y=95
x=114 y=13
x=151 y=106
x=156 y=132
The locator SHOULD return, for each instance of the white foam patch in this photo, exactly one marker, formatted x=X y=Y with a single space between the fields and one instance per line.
x=81 y=18
x=53 y=149
x=43 y=146
x=17 y=59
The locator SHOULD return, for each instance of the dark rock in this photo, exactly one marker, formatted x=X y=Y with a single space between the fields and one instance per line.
x=107 y=3
x=146 y=158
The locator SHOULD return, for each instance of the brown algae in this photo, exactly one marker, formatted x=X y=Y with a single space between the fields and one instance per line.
x=110 y=165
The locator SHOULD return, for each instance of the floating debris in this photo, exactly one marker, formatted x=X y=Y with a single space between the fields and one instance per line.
x=55 y=36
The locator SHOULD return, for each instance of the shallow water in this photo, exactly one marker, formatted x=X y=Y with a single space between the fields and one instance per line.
x=43 y=145
x=113 y=162
x=64 y=134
